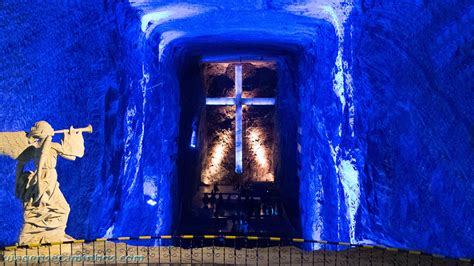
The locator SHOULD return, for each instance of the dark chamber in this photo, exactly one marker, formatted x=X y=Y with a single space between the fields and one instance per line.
x=373 y=125
x=247 y=202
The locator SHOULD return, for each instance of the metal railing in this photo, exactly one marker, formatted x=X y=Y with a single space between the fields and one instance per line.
x=213 y=249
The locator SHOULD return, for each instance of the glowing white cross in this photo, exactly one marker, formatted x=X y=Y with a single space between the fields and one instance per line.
x=238 y=101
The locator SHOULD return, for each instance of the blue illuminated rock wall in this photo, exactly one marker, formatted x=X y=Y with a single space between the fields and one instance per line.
x=79 y=63
x=384 y=101
x=57 y=63
x=413 y=77
x=402 y=145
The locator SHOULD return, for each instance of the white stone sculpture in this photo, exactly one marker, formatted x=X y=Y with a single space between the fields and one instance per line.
x=46 y=210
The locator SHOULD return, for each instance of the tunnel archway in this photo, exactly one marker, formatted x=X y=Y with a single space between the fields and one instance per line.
x=298 y=54
x=193 y=96
x=305 y=47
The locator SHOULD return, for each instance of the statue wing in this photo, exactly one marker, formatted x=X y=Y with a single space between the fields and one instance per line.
x=13 y=144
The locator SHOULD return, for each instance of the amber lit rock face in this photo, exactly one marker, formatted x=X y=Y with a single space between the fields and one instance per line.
x=259 y=146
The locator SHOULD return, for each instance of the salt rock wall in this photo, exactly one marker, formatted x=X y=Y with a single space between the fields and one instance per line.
x=382 y=104
x=75 y=63
x=57 y=62
x=413 y=91
x=388 y=153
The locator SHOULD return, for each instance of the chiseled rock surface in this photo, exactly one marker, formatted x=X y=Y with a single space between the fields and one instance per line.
x=57 y=63
x=413 y=74
x=383 y=97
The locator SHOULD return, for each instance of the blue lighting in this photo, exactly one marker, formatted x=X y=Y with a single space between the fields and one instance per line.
x=193 y=142
x=375 y=100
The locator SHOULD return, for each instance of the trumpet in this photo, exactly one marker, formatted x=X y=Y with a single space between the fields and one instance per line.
x=87 y=129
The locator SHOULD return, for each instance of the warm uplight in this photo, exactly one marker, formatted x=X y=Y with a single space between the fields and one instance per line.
x=260 y=152
x=214 y=169
x=218 y=155
x=258 y=148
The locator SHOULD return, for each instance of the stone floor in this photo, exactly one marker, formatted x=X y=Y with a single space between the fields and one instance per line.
x=121 y=253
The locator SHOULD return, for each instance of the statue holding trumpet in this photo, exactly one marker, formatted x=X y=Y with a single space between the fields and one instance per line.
x=46 y=210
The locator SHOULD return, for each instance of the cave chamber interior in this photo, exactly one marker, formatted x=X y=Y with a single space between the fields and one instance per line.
x=261 y=197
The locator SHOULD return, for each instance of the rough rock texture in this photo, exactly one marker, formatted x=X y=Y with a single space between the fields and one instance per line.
x=413 y=87
x=380 y=93
x=259 y=152
x=57 y=62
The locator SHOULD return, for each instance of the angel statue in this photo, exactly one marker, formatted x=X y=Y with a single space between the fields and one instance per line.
x=45 y=209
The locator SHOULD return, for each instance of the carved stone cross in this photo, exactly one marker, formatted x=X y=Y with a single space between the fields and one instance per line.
x=238 y=101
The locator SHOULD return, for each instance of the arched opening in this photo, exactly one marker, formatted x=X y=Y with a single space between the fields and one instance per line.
x=257 y=193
